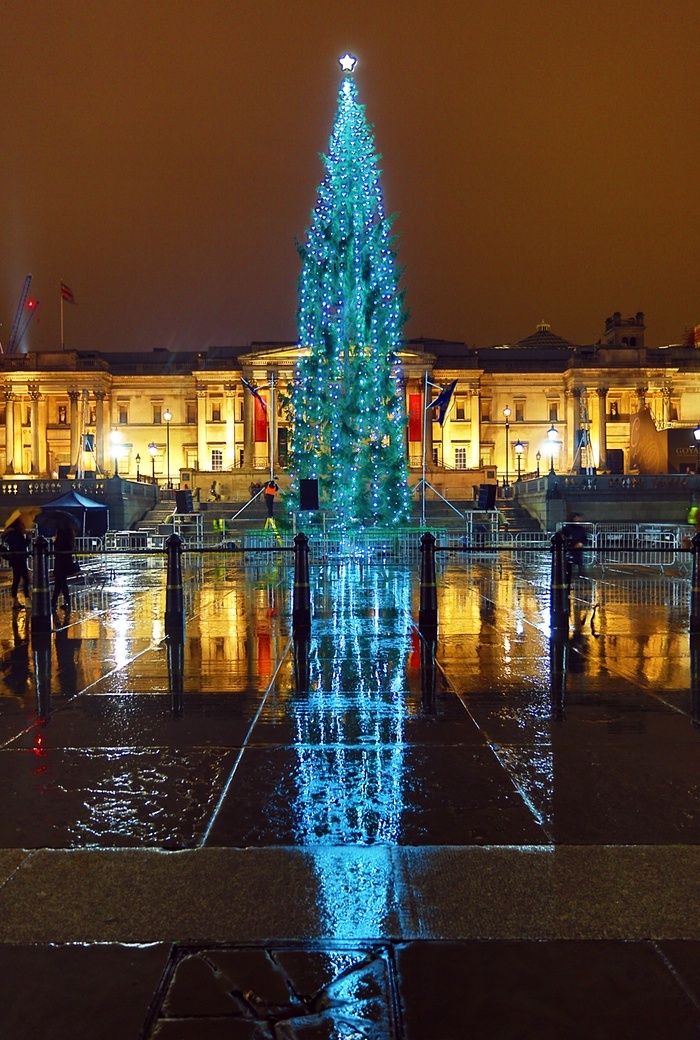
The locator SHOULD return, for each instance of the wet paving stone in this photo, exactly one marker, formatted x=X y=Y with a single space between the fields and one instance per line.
x=278 y=993
x=576 y=990
x=72 y=798
x=64 y=991
x=388 y=794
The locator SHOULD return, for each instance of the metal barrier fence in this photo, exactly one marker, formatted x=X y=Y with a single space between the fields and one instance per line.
x=640 y=545
x=373 y=545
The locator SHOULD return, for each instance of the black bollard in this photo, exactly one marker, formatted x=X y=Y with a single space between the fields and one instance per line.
x=301 y=662
x=695 y=585
x=427 y=613
x=174 y=596
x=559 y=587
x=301 y=597
x=41 y=593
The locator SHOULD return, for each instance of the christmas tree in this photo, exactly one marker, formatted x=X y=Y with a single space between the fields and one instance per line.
x=349 y=421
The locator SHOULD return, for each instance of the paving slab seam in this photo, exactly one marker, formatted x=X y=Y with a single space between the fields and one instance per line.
x=246 y=740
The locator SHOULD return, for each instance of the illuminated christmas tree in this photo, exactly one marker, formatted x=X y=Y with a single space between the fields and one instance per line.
x=349 y=421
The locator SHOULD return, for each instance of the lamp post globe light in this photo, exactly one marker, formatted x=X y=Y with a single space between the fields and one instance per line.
x=138 y=468
x=115 y=437
x=519 y=449
x=538 y=456
x=506 y=413
x=552 y=434
x=696 y=435
x=167 y=415
x=153 y=449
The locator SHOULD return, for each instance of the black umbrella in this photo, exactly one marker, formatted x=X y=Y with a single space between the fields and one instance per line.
x=51 y=520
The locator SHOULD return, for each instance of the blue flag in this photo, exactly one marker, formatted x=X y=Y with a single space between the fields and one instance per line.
x=254 y=392
x=442 y=401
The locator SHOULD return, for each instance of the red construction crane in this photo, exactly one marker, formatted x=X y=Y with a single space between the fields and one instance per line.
x=23 y=315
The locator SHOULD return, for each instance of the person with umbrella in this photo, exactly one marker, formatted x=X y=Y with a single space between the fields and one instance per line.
x=17 y=552
x=64 y=562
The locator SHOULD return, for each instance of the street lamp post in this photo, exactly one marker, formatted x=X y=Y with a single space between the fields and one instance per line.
x=519 y=449
x=115 y=437
x=167 y=415
x=506 y=413
x=552 y=433
x=696 y=435
x=153 y=449
x=138 y=468
x=538 y=456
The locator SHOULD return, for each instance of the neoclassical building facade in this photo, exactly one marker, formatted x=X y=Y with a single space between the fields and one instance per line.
x=517 y=409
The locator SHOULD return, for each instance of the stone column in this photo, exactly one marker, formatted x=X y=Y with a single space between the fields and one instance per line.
x=100 y=452
x=19 y=435
x=230 y=416
x=602 y=392
x=248 y=430
x=45 y=466
x=202 y=457
x=666 y=405
x=34 y=395
x=475 y=421
x=9 y=431
x=568 y=437
x=74 y=396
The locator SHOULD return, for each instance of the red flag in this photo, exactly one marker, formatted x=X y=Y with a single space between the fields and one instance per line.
x=67 y=294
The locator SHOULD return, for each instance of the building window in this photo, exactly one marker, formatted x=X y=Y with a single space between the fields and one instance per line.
x=157 y=414
x=435 y=456
x=190 y=412
x=93 y=416
x=217 y=460
x=216 y=411
x=485 y=410
x=554 y=411
x=520 y=411
x=460 y=457
x=460 y=409
x=674 y=409
x=62 y=415
x=123 y=415
x=614 y=410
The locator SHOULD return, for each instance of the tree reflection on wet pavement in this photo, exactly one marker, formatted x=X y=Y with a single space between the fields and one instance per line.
x=335 y=836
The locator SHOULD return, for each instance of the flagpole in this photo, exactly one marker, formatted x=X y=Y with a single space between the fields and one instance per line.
x=271 y=422
x=63 y=347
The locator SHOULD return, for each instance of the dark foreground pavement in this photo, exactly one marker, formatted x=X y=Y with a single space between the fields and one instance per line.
x=491 y=834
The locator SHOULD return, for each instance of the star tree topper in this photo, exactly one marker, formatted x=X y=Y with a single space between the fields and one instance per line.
x=347 y=62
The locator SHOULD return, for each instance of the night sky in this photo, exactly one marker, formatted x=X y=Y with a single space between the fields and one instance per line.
x=161 y=157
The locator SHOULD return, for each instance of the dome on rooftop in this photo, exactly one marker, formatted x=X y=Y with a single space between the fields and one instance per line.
x=544 y=338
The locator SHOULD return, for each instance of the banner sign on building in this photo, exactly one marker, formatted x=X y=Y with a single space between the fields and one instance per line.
x=260 y=422
x=415 y=417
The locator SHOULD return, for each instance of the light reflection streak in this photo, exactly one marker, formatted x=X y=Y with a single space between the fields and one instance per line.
x=350 y=745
